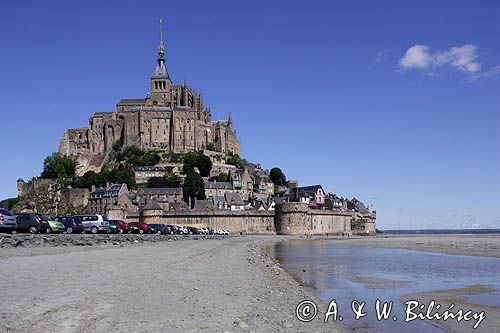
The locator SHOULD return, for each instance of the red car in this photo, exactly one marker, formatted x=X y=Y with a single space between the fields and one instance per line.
x=139 y=228
x=118 y=226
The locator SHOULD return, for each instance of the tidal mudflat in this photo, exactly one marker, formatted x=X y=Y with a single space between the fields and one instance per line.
x=210 y=285
x=346 y=271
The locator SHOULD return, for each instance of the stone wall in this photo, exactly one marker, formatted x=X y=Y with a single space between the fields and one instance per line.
x=364 y=225
x=287 y=219
x=78 y=197
x=297 y=219
x=245 y=222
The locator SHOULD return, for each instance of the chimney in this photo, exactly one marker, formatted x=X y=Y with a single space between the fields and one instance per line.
x=92 y=188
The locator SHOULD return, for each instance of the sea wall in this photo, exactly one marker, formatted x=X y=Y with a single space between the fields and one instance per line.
x=236 y=222
x=287 y=219
x=297 y=219
x=364 y=225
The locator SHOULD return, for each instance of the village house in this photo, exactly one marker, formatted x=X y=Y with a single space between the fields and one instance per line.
x=234 y=201
x=217 y=188
x=333 y=202
x=263 y=187
x=164 y=197
x=143 y=173
x=313 y=195
x=113 y=196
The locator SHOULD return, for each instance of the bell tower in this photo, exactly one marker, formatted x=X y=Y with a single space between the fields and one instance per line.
x=161 y=84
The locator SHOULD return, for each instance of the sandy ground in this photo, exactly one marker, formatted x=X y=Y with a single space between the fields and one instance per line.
x=487 y=245
x=217 y=285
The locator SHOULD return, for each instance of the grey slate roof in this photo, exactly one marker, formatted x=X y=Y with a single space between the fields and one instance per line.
x=218 y=198
x=149 y=168
x=160 y=72
x=219 y=185
x=98 y=114
x=179 y=206
x=150 y=108
x=234 y=199
x=132 y=101
x=159 y=191
x=202 y=204
x=152 y=205
x=112 y=192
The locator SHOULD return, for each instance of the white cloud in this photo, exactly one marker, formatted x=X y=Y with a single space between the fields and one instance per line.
x=461 y=58
x=417 y=56
x=490 y=72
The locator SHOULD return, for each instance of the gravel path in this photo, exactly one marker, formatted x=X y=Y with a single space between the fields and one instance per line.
x=210 y=285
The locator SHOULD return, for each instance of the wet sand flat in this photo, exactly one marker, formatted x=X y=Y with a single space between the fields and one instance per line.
x=458 y=297
x=463 y=244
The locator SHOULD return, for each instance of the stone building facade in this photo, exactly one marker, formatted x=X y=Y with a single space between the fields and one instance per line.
x=172 y=117
x=112 y=197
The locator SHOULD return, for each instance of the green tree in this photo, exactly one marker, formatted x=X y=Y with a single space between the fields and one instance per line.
x=193 y=187
x=204 y=164
x=122 y=174
x=222 y=177
x=172 y=180
x=189 y=162
x=150 y=158
x=88 y=179
x=58 y=166
x=277 y=177
x=157 y=182
x=236 y=161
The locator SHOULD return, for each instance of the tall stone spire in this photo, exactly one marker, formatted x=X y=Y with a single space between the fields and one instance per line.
x=230 y=121
x=161 y=70
x=161 y=48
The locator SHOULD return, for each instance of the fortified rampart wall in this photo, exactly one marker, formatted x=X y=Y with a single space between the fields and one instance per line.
x=244 y=222
x=287 y=219
x=297 y=219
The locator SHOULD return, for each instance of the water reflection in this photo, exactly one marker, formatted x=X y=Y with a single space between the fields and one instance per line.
x=345 y=273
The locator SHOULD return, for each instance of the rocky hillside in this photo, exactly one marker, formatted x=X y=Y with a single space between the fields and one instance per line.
x=49 y=199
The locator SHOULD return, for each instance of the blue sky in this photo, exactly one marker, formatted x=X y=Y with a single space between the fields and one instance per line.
x=393 y=102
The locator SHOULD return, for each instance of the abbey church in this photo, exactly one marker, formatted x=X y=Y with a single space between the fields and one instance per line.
x=170 y=118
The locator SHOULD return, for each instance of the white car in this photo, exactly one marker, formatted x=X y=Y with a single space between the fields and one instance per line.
x=7 y=219
x=203 y=231
x=94 y=223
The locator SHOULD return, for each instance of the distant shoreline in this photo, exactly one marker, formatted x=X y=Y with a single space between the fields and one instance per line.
x=481 y=245
x=438 y=231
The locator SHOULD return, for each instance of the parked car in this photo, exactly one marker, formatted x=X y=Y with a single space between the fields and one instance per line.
x=139 y=228
x=31 y=222
x=72 y=224
x=173 y=229
x=160 y=229
x=7 y=220
x=118 y=226
x=54 y=226
x=203 y=231
x=193 y=231
x=94 y=223
x=182 y=230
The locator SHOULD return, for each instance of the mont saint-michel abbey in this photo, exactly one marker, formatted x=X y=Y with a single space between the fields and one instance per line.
x=170 y=118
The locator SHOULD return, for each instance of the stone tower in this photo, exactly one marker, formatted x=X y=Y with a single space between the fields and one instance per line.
x=161 y=84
